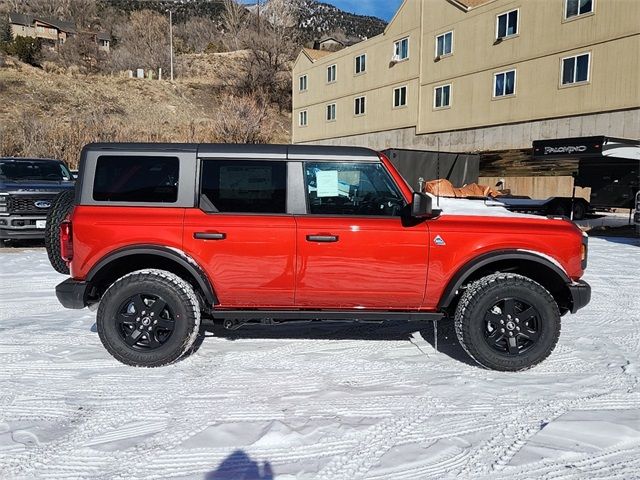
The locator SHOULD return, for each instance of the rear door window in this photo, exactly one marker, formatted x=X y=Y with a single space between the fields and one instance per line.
x=244 y=186
x=136 y=179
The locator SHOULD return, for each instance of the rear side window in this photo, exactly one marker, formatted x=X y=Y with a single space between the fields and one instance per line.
x=139 y=179
x=244 y=186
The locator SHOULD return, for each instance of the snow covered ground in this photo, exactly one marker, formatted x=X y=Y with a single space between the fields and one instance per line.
x=327 y=402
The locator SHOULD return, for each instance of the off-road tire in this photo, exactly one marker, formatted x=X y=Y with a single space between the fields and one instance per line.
x=579 y=210
x=179 y=297
x=480 y=295
x=60 y=209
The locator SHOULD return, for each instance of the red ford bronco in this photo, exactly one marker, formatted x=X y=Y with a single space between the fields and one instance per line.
x=159 y=236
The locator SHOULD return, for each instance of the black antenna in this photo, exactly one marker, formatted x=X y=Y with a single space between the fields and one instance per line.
x=438 y=171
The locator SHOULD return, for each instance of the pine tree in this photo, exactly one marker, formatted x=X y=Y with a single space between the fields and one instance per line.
x=5 y=29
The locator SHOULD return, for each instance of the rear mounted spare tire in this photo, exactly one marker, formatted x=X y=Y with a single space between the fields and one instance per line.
x=60 y=209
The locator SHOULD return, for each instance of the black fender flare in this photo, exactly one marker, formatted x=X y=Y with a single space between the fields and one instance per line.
x=175 y=255
x=481 y=261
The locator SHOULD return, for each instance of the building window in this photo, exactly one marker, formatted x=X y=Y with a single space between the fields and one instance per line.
x=303 y=83
x=361 y=63
x=331 y=112
x=302 y=119
x=575 y=69
x=401 y=49
x=444 y=44
x=575 y=8
x=400 y=97
x=507 y=24
x=442 y=96
x=504 y=84
x=331 y=74
x=360 y=105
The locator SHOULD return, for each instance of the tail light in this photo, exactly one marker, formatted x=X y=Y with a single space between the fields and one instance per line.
x=66 y=241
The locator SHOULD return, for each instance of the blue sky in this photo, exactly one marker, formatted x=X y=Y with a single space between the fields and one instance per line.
x=378 y=8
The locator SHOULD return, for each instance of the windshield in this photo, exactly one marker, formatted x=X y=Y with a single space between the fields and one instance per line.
x=33 y=170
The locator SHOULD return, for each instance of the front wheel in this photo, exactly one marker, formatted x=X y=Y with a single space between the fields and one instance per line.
x=507 y=322
x=148 y=318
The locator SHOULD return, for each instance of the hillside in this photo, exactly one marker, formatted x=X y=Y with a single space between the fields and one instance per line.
x=53 y=115
x=182 y=9
x=316 y=18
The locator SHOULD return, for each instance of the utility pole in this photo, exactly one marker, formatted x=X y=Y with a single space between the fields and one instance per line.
x=259 y=17
x=171 y=40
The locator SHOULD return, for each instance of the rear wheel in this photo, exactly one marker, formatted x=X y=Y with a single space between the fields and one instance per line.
x=507 y=322
x=60 y=209
x=148 y=318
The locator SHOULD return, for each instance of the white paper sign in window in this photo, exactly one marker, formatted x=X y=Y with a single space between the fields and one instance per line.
x=327 y=183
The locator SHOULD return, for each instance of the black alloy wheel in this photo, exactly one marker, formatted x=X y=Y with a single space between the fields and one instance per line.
x=145 y=321
x=149 y=318
x=507 y=322
x=512 y=326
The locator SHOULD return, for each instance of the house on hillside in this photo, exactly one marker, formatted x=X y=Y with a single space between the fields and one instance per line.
x=52 y=32
x=328 y=43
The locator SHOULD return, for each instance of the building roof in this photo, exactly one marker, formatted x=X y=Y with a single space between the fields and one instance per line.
x=315 y=54
x=103 y=36
x=473 y=3
x=19 y=19
x=29 y=20
x=59 y=24
x=328 y=39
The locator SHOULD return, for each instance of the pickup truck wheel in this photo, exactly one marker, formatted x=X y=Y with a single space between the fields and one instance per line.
x=60 y=209
x=507 y=322
x=579 y=210
x=148 y=318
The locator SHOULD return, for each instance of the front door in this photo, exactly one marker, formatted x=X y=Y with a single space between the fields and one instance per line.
x=242 y=235
x=354 y=250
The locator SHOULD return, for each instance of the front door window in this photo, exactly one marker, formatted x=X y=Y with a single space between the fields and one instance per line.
x=356 y=189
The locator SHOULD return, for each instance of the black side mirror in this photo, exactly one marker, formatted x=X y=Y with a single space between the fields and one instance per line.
x=421 y=206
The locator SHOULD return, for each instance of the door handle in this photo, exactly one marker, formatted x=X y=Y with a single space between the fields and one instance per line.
x=209 y=236
x=322 y=238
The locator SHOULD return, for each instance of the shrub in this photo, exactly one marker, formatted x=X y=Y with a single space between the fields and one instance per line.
x=244 y=119
x=27 y=49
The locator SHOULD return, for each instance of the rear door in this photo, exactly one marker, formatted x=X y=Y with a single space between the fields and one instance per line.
x=354 y=248
x=242 y=234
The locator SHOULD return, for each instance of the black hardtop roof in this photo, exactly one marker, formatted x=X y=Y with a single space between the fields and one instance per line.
x=232 y=150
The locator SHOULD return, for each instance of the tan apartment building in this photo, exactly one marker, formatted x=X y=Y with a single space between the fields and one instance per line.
x=477 y=76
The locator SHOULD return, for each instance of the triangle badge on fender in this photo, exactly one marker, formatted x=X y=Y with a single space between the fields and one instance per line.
x=438 y=240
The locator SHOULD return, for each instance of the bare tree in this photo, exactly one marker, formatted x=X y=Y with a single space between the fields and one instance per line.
x=234 y=21
x=82 y=12
x=196 y=35
x=143 y=42
x=82 y=50
x=273 y=41
x=244 y=119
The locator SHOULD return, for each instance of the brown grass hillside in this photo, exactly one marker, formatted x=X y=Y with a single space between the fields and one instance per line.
x=50 y=114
